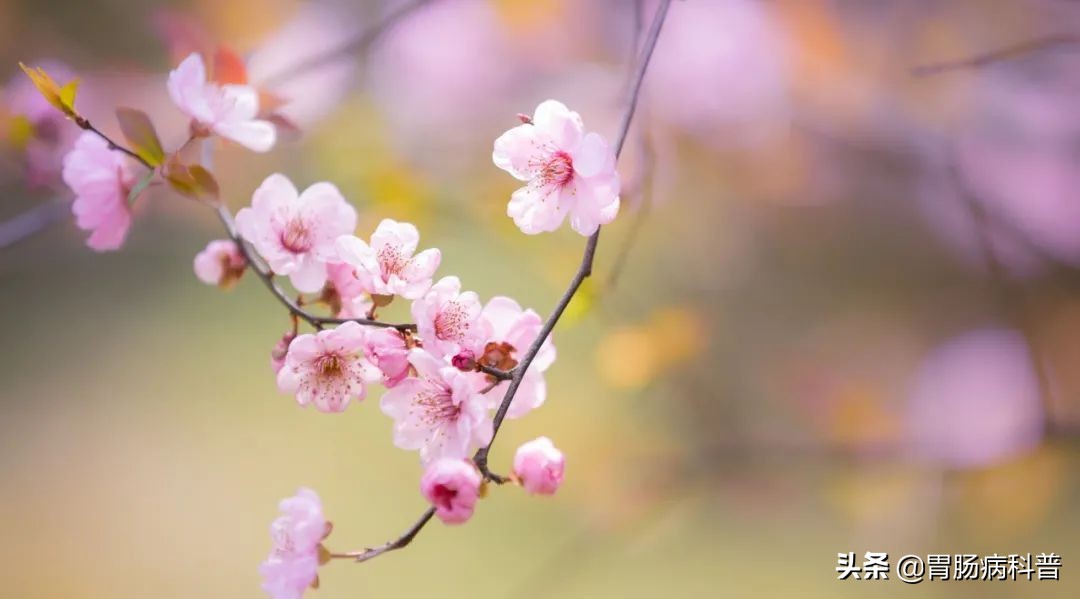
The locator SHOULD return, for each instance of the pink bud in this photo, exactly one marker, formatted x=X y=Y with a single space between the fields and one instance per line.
x=452 y=485
x=464 y=360
x=281 y=349
x=524 y=118
x=539 y=466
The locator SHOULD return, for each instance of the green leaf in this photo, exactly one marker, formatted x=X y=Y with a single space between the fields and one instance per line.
x=140 y=133
x=193 y=181
x=139 y=186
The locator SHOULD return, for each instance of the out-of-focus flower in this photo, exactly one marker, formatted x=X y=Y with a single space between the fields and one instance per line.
x=228 y=110
x=511 y=331
x=36 y=128
x=293 y=563
x=445 y=63
x=975 y=400
x=439 y=411
x=328 y=369
x=306 y=95
x=568 y=172
x=101 y=179
x=220 y=263
x=725 y=88
x=295 y=232
x=448 y=319
x=386 y=348
x=387 y=266
x=348 y=298
x=539 y=466
x=452 y=485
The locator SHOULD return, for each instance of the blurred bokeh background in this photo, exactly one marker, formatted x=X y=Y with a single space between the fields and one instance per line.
x=840 y=310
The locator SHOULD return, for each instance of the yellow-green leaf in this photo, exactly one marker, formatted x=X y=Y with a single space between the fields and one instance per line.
x=140 y=133
x=63 y=98
x=193 y=181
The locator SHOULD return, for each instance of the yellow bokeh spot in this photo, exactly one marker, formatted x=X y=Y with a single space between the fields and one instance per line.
x=627 y=358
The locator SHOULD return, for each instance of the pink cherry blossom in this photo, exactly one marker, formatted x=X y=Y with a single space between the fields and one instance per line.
x=386 y=349
x=439 y=411
x=538 y=465
x=328 y=368
x=387 y=266
x=101 y=180
x=510 y=332
x=293 y=563
x=349 y=299
x=227 y=110
x=295 y=232
x=221 y=263
x=568 y=172
x=452 y=485
x=447 y=319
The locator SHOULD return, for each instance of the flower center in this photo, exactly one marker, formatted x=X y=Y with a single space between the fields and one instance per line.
x=451 y=322
x=443 y=496
x=438 y=406
x=557 y=171
x=391 y=262
x=297 y=236
x=329 y=365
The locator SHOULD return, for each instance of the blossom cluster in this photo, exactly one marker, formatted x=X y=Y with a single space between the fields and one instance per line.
x=446 y=374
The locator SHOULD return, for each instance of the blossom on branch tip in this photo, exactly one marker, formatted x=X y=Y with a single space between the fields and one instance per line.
x=221 y=263
x=388 y=265
x=567 y=171
x=293 y=563
x=447 y=319
x=439 y=411
x=452 y=486
x=101 y=180
x=539 y=466
x=328 y=368
x=510 y=332
x=228 y=110
x=295 y=232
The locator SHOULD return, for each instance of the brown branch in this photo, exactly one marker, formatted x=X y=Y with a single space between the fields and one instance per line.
x=995 y=56
x=584 y=270
x=267 y=277
x=83 y=123
x=359 y=44
x=398 y=543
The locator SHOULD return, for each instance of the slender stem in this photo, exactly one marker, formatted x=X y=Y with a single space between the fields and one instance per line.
x=85 y=124
x=398 y=543
x=267 y=277
x=995 y=56
x=358 y=44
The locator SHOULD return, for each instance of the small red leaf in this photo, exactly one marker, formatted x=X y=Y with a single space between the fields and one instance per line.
x=229 y=67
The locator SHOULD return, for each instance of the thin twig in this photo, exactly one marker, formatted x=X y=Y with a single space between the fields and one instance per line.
x=398 y=543
x=358 y=44
x=85 y=124
x=267 y=277
x=584 y=270
x=994 y=56
x=31 y=221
